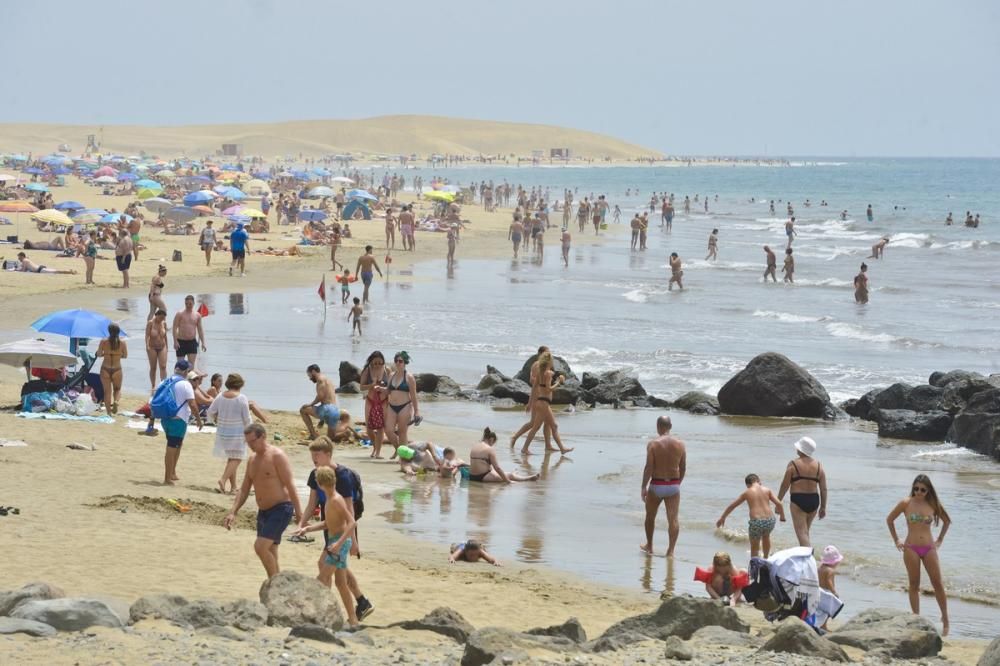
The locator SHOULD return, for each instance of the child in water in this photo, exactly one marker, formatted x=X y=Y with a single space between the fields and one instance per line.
x=723 y=581
x=345 y=281
x=356 y=312
x=451 y=464
x=759 y=499
x=828 y=572
x=470 y=551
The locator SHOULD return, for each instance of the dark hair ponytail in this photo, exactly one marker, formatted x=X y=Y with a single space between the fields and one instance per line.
x=113 y=336
x=489 y=435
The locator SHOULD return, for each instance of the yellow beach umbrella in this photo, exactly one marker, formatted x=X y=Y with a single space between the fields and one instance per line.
x=147 y=194
x=52 y=216
x=252 y=212
x=437 y=195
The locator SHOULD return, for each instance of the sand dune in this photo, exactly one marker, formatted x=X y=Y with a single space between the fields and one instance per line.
x=422 y=135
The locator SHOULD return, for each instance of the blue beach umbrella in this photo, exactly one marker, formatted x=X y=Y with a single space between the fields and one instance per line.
x=19 y=158
x=88 y=215
x=34 y=170
x=76 y=323
x=125 y=177
x=310 y=215
x=180 y=214
x=113 y=218
x=61 y=171
x=199 y=197
x=37 y=187
x=69 y=205
x=147 y=184
x=361 y=194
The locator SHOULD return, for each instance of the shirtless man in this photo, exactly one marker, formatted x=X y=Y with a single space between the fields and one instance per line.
x=713 y=245
x=269 y=474
x=643 y=227
x=123 y=255
x=666 y=465
x=187 y=332
x=790 y=230
x=366 y=263
x=156 y=346
x=772 y=264
x=515 y=232
x=635 y=224
x=324 y=405
x=134 y=227
x=406 y=222
x=676 y=273
x=567 y=239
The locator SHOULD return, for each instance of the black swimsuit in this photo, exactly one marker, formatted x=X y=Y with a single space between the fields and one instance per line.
x=480 y=477
x=807 y=502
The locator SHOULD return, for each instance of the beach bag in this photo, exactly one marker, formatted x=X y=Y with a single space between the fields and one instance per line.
x=359 y=492
x=178 y=256
x=164 y=403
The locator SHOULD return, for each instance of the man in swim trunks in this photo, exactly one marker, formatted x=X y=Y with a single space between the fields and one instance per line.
x=772 y=264
x=666 y=465
x=123 y=255
x=324 y=405
x=366 y=263
x=187 y=332
x=270 y=476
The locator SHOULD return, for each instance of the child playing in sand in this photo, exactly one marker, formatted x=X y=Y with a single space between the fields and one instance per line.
x=470 y=551
x=451 y=464
x=356 y=312
x=723 y=581
x=345 y=285
x=828 y=572
x=761 y=523
x=339 y=526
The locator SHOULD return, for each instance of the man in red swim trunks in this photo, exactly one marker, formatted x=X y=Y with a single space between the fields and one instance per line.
x=666 y=464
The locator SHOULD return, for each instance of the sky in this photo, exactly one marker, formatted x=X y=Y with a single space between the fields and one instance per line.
x=783 y=77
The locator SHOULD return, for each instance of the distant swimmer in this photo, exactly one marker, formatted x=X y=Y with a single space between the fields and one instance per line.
x=676 y=274
x=772 y=264
x=669 y=206
x=861 y=285
x=666 y=465
x=635 y=224
x=713 y=245
x=772 y=207
x=687 y=205
x=789 y=268
x=790 y=230
x=791 y=211
x=617 y=215
x=948 y=221
x=566 y=240
x=878 y=249
x=843 y=215
x=869 y=215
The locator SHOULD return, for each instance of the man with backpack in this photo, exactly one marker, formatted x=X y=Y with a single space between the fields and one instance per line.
x=173 y=403
x=349 y=487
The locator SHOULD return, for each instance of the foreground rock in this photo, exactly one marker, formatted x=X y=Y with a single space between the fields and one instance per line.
x=495 y=645
x=992 y=655
x=68 y=614
x=908 y=424
x=796 y=637
x=10 y=625
x=31 y=591
x=896 y=633
x=571 y=629
x=444 y=621
x=316 y=633
x=677 y=650
x=679 y=616
x=294 y=600
x=772 y=385
x=243 y=614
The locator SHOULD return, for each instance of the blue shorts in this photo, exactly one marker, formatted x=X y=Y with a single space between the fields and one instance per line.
x=271 y=523
x=174 y=429
x=328 y=414
x=366 y=277
x=338 y=560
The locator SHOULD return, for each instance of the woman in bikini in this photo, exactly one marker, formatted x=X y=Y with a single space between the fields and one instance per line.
x=483 y=465
x=112 y=350
x=922 y=510
x=542 y=415
x=156 y=346
x=156 y=292
x=374 y=382
x=861 y=285
x=806 y=480
x=402 y=402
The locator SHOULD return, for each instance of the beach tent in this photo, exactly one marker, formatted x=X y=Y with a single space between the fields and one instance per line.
x=256 y=188
x=352 y=206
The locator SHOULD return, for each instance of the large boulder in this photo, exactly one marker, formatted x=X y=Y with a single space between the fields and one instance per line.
x=907 y=424
x=428 y=382
x=796 y=637
x=923 y=398
x=942 y=379
x=444 y=621
x=772 y=385
x=697 y=402
x=514 y=389
x=957 y=394
x=68 y=614
x=610 y=387
x=10 y=600
x=897 y=633
x=559 y=364
x=493 y=377
x=293 y=600
x=10 y=625
x=992 y=655
x=680 y=616
x=861 y=408
x=978 y=425
x=571 y=629
x=348 y=373
x=174 y=608
x=493 y=644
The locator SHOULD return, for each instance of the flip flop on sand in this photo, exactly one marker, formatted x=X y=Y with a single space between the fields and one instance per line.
x=301 y=539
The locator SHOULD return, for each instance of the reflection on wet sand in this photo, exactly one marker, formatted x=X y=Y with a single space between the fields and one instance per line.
x=646 y=581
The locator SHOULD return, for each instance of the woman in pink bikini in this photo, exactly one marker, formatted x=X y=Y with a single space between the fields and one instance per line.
x=922 y=509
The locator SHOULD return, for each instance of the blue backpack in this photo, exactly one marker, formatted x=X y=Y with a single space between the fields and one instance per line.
x=164 y=404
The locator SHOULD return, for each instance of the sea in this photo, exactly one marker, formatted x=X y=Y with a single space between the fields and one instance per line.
x=935 y=305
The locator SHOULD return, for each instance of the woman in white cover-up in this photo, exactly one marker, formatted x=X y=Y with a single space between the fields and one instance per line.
x=231 y=411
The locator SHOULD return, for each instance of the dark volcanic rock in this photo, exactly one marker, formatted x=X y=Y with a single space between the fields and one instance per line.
x=958 y=393
x=611 y=387
x=796 y=637
x=444 y=621
x=571 y=629
x=942 y=379
x=923 y=398
x=492 y=378
x=697 y=402
x=907 y=424
x=897 y=633
x=772 y=385
x=351 y=388
x=348 y=373
x=680 y=616
x=514 y=389
x=559 y=364
x=428 y=382
x=978 y=425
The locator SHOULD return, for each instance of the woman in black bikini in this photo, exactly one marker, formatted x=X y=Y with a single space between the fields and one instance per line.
x=806 y=480
x=374 y=382
x=922 y=510
x=483 y=465
x=112 y=350
x=156 y=292
x=402 y=405
x=542 y=415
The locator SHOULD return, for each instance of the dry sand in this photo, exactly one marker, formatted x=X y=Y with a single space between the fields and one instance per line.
x=391 y=135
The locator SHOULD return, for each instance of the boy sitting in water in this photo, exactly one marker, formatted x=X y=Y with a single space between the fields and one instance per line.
x=339 y=525
x=450 y=464
x=471 y=551
x=761 y=523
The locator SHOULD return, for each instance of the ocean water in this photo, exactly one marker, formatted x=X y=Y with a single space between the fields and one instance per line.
x=935 y=305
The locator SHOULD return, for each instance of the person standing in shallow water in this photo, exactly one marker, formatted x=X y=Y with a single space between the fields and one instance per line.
x=713 y=245
x=666 y=465
x=922 y=509
x=806 y=480
x=861 y=285
x=772 y=264
x=676 y=272
x=789 y=268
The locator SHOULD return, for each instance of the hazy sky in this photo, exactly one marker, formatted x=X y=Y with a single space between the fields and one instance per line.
x=790 y=77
